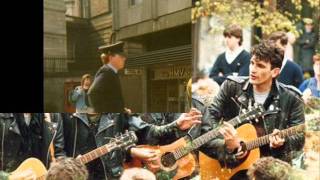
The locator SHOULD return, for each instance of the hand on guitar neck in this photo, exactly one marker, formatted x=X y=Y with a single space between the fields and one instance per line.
x=233 y=142
x=275 y=140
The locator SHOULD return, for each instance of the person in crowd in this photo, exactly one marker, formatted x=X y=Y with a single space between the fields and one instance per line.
x=270 y=168
x=311 y=87
x=235 y=60
x=79 y=95
x=85 y=132
x=26 y=135
x=261 y=87
x=105 y=94
x=137 y=174
x=307 y=43
x=290 y=73
x=67 y=169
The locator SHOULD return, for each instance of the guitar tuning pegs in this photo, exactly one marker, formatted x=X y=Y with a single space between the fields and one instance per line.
x=256 y=119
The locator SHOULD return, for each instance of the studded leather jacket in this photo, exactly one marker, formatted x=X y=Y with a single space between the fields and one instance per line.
x=80 y=138
x=236 y=93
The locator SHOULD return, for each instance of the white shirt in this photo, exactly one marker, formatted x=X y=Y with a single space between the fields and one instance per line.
x=232 y=55
x=260 y=98
x=27 y=118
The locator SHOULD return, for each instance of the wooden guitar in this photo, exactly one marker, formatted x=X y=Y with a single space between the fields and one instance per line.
x=211 y=168
x=177 y=161
x=123 y=141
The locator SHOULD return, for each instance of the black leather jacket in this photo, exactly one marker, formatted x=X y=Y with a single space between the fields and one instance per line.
x=235 y=95
x=77 y=135
x=12 y=140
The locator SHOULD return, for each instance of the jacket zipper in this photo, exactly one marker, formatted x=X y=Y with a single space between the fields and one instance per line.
x=101 y=160
x=75 y=139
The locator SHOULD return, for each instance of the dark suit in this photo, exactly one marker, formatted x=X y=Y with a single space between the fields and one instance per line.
x=291 y=74
x=105 y=94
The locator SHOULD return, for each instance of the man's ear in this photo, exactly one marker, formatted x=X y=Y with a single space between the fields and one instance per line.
x=275 y=72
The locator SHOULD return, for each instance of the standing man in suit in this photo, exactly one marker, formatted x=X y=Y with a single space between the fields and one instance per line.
x=105 y=94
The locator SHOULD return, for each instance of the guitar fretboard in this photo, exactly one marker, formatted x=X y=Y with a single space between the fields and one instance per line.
x=263 y=140
x=94 y=154
x=195 y=144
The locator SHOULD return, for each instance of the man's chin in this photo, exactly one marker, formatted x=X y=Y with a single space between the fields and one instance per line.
x=254 y=82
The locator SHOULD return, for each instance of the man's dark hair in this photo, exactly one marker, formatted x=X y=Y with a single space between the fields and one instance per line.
x=279 y=35
x=234 y=30
x=268 y=51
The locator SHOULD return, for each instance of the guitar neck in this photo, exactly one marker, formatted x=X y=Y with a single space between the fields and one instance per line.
x=94 y=154
x=195 y=144
x=263 y=140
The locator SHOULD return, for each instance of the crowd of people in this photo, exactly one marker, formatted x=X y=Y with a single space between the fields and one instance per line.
x=238 y=81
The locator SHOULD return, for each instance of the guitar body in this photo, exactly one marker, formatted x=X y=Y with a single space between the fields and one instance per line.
x=211 y=168
x=183 y=166
x=34 y=165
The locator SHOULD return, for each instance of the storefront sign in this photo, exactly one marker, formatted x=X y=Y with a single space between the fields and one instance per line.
x=172 y=73
x=133 y=71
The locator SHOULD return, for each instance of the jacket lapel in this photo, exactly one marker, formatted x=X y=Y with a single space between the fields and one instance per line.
x=83 y=117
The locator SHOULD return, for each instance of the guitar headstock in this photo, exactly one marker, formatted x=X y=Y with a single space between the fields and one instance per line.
x=124 y=141
x=252 y=113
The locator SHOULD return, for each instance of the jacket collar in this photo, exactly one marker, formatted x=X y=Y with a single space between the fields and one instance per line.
x=247 y=94
x=13 y=126
x=106 y=120
x=275 y=89
x=83 y=117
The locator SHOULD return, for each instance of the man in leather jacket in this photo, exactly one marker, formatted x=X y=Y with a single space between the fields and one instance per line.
x=261 y=87
x=25 y=135
x=85 y=132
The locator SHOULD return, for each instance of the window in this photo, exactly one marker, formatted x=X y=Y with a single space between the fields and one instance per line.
x=135 y=2
x=85 y=8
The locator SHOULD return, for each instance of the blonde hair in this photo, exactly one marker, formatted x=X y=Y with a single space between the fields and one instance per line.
x=84 y=77
x=137 y=174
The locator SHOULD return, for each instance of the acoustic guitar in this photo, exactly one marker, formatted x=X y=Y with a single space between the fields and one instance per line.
x=176 y=160
x=121 y=142
x=211 y=168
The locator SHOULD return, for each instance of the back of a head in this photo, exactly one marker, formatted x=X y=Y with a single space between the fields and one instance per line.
x=270 y=168
x=137 y=174
x=279 y=35
x=67 y=169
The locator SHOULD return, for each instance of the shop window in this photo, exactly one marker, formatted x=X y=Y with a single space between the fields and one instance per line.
x=135 y=2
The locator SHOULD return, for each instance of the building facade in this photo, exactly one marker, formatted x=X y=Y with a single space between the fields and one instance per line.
x=158 y=38
x=157 y=34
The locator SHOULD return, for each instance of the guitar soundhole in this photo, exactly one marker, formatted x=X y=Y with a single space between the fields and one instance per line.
x=168 y=160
